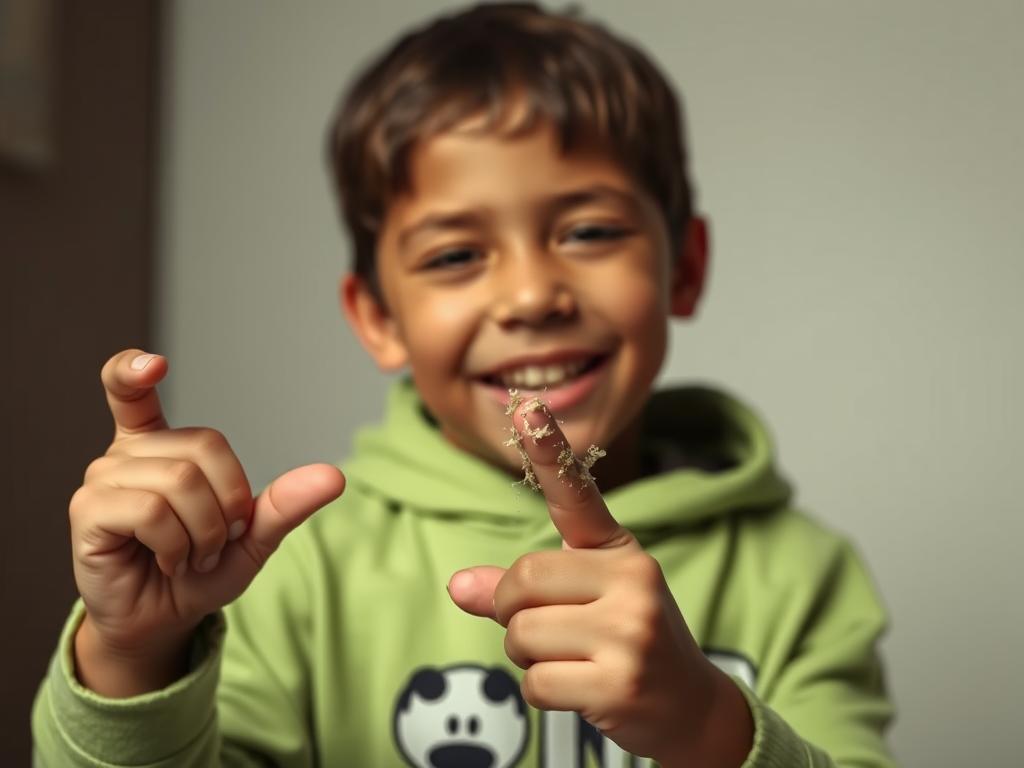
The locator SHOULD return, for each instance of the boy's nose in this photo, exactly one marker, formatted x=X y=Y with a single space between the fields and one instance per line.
x=533 y=298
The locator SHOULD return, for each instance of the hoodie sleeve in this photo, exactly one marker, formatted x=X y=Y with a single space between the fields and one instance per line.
x=243 y=702
x=73 y=726
x=828 y=705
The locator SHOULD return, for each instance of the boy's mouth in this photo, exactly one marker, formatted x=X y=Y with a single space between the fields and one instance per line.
x=562 y=380
x=543 y=374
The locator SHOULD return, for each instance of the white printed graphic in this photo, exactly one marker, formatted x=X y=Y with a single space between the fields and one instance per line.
x=469 y=716
x=464 y=716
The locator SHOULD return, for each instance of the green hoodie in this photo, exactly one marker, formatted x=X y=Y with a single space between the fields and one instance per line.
x=346 y=649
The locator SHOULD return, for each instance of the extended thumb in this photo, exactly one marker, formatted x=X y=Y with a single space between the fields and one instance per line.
x=292 y=498
x=472 y=589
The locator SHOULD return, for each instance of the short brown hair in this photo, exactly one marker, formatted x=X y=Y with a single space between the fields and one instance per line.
x=585 y=80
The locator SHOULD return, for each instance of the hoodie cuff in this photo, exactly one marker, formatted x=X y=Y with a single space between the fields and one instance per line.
x=140 y=730
x=776 y=744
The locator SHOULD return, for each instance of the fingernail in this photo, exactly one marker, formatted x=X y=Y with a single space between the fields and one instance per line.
x=180 y=568
x=537 y=418
x=141 y=362
x=209 y=563
x=237 y=529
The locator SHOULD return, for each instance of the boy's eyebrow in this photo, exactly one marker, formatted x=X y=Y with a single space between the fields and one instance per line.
x=456 y=220
x=595 y=192
x=553 y=203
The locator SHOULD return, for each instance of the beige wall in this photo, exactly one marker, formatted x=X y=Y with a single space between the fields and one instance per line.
x=861 y=164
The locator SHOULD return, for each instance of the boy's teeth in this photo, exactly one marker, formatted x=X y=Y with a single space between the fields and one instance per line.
x=536 y=376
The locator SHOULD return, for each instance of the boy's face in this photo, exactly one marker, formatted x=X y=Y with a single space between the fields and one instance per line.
x=510 y=265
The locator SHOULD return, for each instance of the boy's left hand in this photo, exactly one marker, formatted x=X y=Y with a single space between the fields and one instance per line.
x=598 y=631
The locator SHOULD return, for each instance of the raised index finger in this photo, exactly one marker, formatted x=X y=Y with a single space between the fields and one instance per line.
x=131 y=391
x=576 y=506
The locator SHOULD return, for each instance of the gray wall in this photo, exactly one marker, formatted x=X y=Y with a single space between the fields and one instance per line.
x=861 y=165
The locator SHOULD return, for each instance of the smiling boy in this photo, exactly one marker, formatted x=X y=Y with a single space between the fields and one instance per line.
x=557 y=282
x=515 y=185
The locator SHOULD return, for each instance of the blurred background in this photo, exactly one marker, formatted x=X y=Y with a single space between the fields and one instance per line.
x=162 y=185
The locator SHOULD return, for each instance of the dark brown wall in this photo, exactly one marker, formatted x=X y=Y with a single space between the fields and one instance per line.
x=76 y=244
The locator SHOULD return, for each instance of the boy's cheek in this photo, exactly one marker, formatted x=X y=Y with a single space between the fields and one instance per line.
x=434 y=354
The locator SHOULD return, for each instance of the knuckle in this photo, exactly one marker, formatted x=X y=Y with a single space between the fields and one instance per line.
x=638 y=632
x=646 y=607
x=209 y=440
x=536 y=686
x=645 y=570
x=79 y=503
x=526 y=570
x=518 y=626
x=529 y=688
x=95 y=468
x=183 y=474
x=152 y=508
x=512 y=651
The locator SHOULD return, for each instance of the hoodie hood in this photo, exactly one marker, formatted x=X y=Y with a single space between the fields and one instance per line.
x=710 y=455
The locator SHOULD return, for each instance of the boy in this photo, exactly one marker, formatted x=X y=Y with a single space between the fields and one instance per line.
x=516 y=190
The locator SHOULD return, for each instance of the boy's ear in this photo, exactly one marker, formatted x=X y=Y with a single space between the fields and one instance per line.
x=372 y=323
x=690 y=269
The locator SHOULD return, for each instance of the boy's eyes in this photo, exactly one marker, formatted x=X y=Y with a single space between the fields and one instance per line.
x=457 y=257
x=592 y=232
x=461 y=257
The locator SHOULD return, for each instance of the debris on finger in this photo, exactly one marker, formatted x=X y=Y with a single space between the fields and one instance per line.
x=514 y=399
x=568 y=463
x=537 y=433
x=579 y=466
x=529 y=474
x=588 y=460
x=516 y=441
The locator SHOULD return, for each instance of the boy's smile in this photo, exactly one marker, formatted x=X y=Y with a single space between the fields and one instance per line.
x=510 y=265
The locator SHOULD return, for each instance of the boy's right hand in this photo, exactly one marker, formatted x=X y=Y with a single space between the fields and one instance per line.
x=164 y=531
